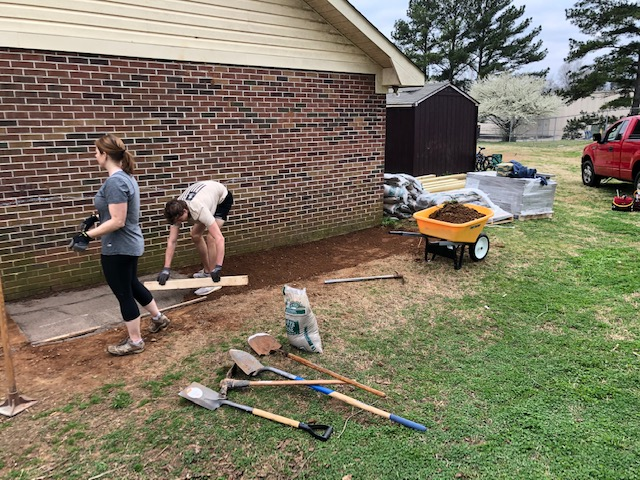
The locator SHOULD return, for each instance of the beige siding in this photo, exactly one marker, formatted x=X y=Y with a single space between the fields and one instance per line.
x=277 y=33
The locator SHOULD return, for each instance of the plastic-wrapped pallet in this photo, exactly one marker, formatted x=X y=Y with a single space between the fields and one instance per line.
x=522 y=197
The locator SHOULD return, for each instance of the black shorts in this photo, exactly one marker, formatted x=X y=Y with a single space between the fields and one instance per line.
x=223 y=209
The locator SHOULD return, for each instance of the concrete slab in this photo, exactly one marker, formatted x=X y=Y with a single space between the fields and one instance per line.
x=78 y=312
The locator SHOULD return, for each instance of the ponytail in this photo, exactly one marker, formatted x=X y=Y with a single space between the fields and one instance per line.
x=128 y=163
x=115 y=148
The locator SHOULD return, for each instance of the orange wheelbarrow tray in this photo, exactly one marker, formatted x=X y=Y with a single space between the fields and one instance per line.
x=467 y=232
x=450 y=239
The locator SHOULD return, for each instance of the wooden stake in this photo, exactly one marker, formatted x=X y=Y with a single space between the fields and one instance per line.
x=15 y=403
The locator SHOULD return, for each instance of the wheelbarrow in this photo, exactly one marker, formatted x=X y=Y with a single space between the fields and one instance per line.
x=450 y=239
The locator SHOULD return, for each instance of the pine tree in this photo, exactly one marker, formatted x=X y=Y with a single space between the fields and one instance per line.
x=417 y=38
x=500 y=40
x=462 y=40
x=614 y=28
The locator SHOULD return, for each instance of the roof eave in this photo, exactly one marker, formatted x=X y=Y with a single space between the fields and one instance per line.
x=396 y=70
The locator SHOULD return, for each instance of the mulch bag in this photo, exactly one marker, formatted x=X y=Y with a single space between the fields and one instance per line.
x=400 y=193
x=301 y=322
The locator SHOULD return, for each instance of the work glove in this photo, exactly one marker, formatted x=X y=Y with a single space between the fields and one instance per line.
x=164 y=275
x=215 y=273
x=88 y=222
x=80 y=242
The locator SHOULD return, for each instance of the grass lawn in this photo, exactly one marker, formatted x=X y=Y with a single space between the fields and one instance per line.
x=522 y=366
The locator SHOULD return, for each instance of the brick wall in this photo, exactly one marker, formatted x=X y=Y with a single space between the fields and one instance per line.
x=301 y=151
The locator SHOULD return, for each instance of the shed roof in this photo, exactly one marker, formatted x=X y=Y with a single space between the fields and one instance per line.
x=316 y=35
x=411 y=97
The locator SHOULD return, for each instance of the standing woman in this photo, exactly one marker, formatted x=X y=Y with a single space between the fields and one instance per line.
x=118 y=205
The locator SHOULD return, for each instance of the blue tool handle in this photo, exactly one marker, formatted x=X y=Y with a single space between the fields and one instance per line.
x=317 y=388
x=364 y=406
x=407 y=423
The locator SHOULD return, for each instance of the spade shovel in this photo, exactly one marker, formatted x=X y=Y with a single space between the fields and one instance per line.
x=207 y=398
x=264 y=344
x=251 y=366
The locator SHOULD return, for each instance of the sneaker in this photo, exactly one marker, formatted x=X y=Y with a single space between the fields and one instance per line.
x=201 y=274
x=125 y=347
x=161 y=324
x=206 y=290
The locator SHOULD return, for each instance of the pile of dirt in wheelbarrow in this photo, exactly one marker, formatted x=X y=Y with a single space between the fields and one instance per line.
x=455 y=213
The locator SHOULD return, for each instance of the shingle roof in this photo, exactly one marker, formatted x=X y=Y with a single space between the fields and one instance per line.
x=412 y=96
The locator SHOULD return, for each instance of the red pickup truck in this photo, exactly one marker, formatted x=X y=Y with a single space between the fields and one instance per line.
x=616 y=154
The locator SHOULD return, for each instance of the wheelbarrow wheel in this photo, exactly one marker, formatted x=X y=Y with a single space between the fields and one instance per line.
x=479 y=250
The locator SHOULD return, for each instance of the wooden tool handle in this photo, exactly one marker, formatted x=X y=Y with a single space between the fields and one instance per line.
x=276 y=418
x=377 y=411
x=295 y=382
x=335 y=375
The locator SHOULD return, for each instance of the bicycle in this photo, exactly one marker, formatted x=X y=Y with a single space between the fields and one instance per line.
x=486 y=162
x=482 y=160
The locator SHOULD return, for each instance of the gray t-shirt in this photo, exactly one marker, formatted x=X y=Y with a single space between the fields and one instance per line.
x=128 y=240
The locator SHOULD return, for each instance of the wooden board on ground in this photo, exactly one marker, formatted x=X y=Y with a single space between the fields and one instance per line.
x=66 y=336
x=193 y=283
x=534 y=216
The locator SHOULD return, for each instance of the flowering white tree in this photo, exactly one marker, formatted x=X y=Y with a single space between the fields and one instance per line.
x=510 y=101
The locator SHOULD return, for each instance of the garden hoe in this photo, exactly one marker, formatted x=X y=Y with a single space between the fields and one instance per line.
x=207 y=398
x=264 y=344
x=251 y=366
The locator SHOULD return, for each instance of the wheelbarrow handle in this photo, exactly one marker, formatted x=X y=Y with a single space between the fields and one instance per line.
x=408 y=234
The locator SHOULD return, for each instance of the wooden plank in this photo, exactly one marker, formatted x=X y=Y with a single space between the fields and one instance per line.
x=425 y=177
x=439 y=184
x=65 y=336
x=177 y=305
x=193 y=283
x=535 y=216
x=446 y=188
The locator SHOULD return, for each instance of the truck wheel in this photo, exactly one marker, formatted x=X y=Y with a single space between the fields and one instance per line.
x=636 y=182
x=589 y=177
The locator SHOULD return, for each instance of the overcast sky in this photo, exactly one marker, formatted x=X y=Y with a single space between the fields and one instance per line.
x=549 y=14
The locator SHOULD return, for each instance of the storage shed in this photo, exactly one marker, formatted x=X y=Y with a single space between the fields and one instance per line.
x=431 y=130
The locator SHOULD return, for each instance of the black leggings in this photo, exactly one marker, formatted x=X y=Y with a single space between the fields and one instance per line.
x=121 y=273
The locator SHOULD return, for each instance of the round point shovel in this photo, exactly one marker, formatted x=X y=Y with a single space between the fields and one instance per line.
x=251 y=366
x=264 y=344
x=207 y=398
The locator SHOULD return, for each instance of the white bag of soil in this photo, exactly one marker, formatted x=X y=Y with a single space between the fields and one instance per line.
x=301 y=323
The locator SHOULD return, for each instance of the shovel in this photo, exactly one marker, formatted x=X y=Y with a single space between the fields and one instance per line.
x=251 y=366
x=207 y=398
x=264 y=344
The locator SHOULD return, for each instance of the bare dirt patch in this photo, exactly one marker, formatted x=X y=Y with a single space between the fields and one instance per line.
x=55 y=372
